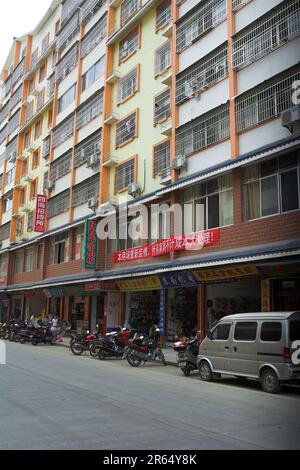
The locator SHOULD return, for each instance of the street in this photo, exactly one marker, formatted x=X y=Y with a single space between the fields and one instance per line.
x=50 y=399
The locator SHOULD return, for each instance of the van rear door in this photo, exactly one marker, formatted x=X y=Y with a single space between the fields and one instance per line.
x=294 y=339
x=243 y=348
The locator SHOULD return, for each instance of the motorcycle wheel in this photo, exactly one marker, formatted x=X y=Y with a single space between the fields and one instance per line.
x=22 y=340
x=94 y=350
x=35 y=342
x=186 y=371
x=161 y=356
x=133 y=359
x=102 y=355
x=76 y=349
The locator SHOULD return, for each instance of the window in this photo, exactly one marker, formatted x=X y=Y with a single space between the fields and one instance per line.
x=58 y=204
x=38 y=130
x=208 y=15
x=19 y=226
x=66 y=99
x=271 y=331
x=42 y=73
x=46 y=147
x=95 y=72
x=3 y=265
x=68 y=32
x=10 y=176
x=29 y=111
x=163 y=14
x=27 y=139
x=94 y=37
x=22 y=197
x=34 y=57
x=18 y=262
x=78 y=247
x=162 y=106
x=7 y=203
x=61 y=166
x=128 y=85
x=63 y=131
x=4 y=231
x=221 y=332
x=50 y=118
x=203 y=74
x=89 y=9
x=269 y=32
x=271 y=187
x=40 y=100
x=45 y=43
x=126 y=129
x=89 y=110
x=161 y=159
x=85 y=191
x=129 y=45
x=208 y=205
x=58 y=249
x=237 y=4
x=162 y=58
x=265 y=101
x=31 y=85
x=13 y=123
x=294 y=330
x=68 y=63
x=208 y=129
x=24 y=169
x=245 y=331
x=87 y=148
x=33 y=189
x=124 y=175
x=35 y=158
x=30 y=221
x=128 y=8
x=29 y=255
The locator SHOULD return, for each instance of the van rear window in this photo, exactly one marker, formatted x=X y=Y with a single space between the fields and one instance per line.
x=271 y=331
x=245 y=331
x=294 y=330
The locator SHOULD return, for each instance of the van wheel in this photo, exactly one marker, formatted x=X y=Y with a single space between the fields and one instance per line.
x=205 y=372
x=269 y=381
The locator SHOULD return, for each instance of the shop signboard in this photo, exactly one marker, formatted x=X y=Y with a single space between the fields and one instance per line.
x=174 y=280
x=265 y=295
x=217 y=274
x=53 y=292
x=162 y=307
x=193 y=241
x=106 y=286
x=75 y=290
x=142 y=284
x=40 y=213
x=91 y=245
x=279 y=270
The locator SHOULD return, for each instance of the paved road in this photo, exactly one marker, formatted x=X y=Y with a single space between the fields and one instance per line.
x=50 y=399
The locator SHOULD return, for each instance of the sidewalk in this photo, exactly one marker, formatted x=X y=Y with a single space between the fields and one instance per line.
x=169 y=353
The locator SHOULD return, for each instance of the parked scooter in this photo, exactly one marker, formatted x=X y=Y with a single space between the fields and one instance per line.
x=88 y=342
x=142 y=349
x=114 y=344
x=187 y=352
x=42 y=335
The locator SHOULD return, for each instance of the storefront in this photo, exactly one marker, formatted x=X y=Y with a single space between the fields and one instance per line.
x=286 y=294
x=4 y=299
x=34 y=304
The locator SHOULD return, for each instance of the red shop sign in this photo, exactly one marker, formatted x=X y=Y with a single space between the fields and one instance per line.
x=40 y=213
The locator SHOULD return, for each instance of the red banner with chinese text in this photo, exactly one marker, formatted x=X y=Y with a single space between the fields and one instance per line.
x=40 y=213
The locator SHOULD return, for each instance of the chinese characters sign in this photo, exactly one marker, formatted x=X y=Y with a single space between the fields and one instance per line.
x=40 y=213
x=145 y=283
x=186 y=242
x=90 y=251
x=226 y=272
x=265 y=296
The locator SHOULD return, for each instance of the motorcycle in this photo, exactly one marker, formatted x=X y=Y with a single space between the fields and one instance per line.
x=81 y=343
x=114 y=344
x=187 y=352
x=142 y=349
x=42 y=335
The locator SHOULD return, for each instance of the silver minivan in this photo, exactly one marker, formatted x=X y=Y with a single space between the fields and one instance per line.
x=252 y=345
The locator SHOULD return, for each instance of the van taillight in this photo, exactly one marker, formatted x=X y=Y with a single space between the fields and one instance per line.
x=287 y=355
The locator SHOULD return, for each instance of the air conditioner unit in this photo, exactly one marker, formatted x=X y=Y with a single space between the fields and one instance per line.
x=93 y=203
x=290 y=116
x=133 y=189
x=178 y=162
x=192 y=88
x=50 y=185
x=92 y=161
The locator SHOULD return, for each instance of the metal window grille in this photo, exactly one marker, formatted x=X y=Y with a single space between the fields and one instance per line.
x=14 y=122
x=163 y=14
x=89 y=110
x=50 y=86
x=94 y=37
x=63 y=131
x=88 y=148
x=128 y=7
x=30 y=221
x=208 y=129
x=163 y=58
x=129 y=45
x=161 y=161
x=58 y=204
x=66 y=99
x=4 y=112
x=46 y=147
x=204 y=73
x=207 y=16
x=29 y=111
x=61 y=166
x=127 y=85
x=124 y=175
x=268 y=33
x=34 y=58
x=126 y=129
x=18 y=72
x=40 y=100
x=4 y=231
x=16 y=98
x=67 y=64
x=68 y=8
x=237 y=4
x=45 y=43
x=3 y=134
x=11 y=149
x=85 y=191
x=7 y=86
x=19 y=226
x=265 y=101
x=162 y=106
x=89 y=8
x=9 y=176
x=68 y=33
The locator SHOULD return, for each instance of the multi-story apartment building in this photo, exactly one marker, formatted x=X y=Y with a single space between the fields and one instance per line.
x=153 y=102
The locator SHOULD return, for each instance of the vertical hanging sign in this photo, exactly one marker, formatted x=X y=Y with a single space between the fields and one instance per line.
x=40 y=213
x=91 y=245
x=162 y=309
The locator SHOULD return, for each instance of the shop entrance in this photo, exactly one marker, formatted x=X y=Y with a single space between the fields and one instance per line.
x=182 y=318
x=77 y=310
x=142 y=310
x=286 y=295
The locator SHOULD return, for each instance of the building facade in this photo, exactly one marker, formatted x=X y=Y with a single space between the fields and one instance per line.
x=107 y=106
